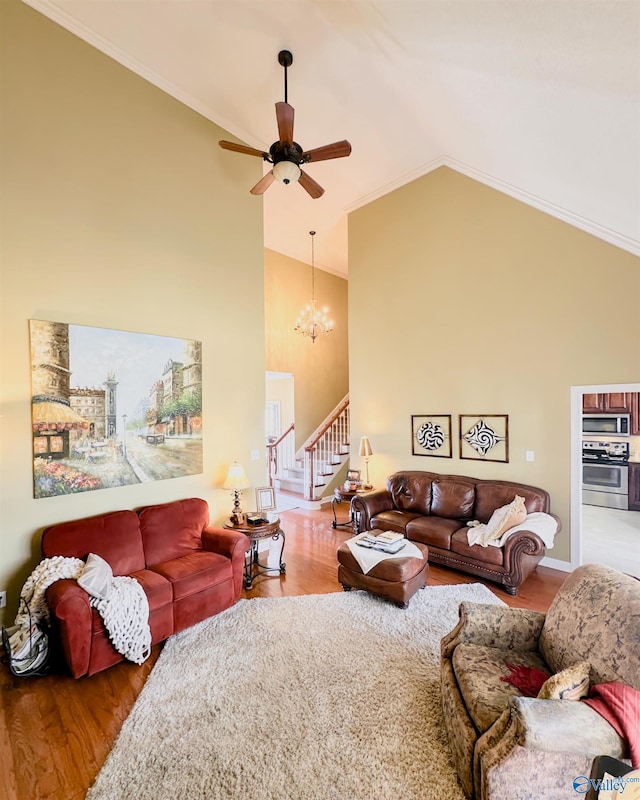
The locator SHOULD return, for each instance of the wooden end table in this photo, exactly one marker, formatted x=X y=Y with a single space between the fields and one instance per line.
x=340 y=495
x=252 y=565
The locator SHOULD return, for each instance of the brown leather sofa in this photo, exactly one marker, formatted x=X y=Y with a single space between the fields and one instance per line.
x=433 y=509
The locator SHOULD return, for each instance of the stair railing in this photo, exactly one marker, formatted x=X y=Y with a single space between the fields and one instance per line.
x=281 y=454
x=325 y=443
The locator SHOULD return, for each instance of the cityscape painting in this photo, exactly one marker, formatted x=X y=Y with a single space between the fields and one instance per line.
x=112 y=408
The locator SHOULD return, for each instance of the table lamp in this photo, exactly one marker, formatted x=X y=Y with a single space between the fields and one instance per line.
x=366 y=452
x=236 y=481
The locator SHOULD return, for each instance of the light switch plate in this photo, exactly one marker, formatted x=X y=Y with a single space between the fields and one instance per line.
x=530 y=455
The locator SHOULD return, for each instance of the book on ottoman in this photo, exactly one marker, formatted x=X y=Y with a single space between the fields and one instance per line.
x=386 y=541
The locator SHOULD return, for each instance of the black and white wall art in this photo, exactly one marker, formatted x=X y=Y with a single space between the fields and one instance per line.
x=431 y=435
x=484 y=437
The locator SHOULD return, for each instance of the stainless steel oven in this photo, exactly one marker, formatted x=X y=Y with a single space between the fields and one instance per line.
x=605 y=474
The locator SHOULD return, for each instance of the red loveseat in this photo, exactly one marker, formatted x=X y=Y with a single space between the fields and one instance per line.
x=188 y=570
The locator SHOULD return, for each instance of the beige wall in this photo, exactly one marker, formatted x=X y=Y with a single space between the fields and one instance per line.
x=119 y=210
x=462 y=301
x=320 y=369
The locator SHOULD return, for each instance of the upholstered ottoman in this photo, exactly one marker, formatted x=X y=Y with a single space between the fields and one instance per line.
x=396 y=579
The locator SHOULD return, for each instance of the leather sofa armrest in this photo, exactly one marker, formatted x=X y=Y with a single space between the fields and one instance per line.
x=522 y=542
x=564 y=726
x=71 y=618
x=494 y=626
x=525 y=543
x=369 y=504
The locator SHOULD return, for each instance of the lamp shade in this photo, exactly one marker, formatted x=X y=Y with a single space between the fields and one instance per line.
x=286 y=172
x=236 y=478
x=365 y=447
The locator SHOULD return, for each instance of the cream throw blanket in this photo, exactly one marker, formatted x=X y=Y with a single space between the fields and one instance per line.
x=125 y=613
x=537 y=522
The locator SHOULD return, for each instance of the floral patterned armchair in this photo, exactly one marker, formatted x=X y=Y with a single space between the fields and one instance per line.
x=506 y=745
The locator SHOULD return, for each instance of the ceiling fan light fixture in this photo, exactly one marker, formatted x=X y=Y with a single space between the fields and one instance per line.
x=286 y=155
x=286 y=172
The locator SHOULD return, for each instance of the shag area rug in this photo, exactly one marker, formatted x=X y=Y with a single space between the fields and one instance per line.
x=320 y=697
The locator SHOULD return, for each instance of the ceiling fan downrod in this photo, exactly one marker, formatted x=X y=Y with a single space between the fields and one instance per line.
x=286 y=155
x=285 y=59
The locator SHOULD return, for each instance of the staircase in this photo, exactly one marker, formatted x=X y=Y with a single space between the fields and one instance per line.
x=303 y=477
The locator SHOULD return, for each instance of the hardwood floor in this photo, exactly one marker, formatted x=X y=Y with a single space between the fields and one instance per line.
x=55 y=732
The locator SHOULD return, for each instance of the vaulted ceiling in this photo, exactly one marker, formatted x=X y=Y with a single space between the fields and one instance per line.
x=538 y=98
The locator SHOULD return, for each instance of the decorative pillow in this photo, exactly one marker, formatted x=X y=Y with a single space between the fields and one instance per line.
x=570 y=684
x=97 y=577
x=504 y=518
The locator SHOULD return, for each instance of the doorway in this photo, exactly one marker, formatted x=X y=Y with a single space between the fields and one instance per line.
x=599 y=534
x=279 y=403
x=279 y=415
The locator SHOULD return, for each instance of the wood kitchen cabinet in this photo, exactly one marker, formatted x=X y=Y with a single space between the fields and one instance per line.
x=634 y=487
x=611 y=403
x=617 y=403
x=635 y=414
x=592 y=403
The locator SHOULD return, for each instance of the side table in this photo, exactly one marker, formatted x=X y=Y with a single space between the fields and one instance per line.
x=252 y=565
x=341 y=495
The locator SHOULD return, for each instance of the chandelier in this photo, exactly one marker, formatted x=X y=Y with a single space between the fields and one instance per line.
x=313 y=321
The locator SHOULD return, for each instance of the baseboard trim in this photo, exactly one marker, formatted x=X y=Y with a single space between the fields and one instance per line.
x=555 y=563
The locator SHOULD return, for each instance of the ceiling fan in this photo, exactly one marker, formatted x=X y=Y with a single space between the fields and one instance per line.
x=286 y=155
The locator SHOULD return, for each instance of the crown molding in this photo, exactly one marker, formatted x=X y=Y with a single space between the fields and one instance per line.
x=53 y=12
x=584 y=224
x=49 y=9
x=397 y=183
x=306 y=261
x=600 y=231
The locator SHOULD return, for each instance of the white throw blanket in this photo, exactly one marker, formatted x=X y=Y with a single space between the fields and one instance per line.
x=125 y=614
x=47 y=572
x=544 y=525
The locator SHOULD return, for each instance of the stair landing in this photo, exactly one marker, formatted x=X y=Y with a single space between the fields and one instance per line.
x=286 y=500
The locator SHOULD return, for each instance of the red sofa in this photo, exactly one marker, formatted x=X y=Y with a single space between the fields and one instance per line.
x=188 y=570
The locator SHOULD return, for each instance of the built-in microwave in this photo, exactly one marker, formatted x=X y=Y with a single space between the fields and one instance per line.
x=612 y=424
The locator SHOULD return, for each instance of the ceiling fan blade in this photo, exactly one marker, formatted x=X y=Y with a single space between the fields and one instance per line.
x=241 y=148
x=310 y=186
x=263 y=184
x=335 y=150
x=284 y=115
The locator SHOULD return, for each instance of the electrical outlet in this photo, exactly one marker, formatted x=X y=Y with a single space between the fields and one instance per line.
x=255 y=455
x=3 y=599
x=530 y=455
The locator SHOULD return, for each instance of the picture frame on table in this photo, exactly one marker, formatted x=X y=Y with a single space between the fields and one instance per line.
x=353 y=482
x=265 y=499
